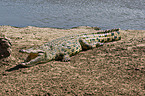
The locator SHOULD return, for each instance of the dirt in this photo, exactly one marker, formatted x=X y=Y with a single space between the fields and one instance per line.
x=117 y=68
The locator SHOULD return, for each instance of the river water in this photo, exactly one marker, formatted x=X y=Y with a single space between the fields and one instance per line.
x=106 y=14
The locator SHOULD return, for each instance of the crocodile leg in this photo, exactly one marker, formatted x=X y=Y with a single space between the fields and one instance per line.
x=66 y=58
x=63 y=57
x=85 y=45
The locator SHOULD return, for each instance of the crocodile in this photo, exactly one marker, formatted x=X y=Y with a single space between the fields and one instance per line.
x=63 y=48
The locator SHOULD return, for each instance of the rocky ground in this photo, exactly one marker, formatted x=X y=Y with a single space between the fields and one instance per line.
x=117 y=68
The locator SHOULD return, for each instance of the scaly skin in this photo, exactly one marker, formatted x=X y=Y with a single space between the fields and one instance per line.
x=63 y=48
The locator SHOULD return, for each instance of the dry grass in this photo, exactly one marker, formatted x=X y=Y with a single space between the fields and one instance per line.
x=117 y=68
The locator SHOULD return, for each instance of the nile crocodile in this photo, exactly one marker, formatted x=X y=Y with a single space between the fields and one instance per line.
x=63 y=48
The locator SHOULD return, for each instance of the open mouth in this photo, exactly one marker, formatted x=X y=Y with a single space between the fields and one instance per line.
x=31 y=56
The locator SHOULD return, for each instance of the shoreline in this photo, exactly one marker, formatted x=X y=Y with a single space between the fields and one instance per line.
x=65 y=28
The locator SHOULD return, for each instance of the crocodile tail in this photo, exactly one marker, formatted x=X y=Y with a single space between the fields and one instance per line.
x=109 y=39
x=95 y=35
x=108 y=31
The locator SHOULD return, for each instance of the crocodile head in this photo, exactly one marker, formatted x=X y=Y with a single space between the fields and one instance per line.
x=34 y=57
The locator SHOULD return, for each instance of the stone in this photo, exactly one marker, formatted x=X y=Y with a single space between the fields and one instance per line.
x=5 y=47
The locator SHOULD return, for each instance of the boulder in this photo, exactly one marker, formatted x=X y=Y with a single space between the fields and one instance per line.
x=5 y=47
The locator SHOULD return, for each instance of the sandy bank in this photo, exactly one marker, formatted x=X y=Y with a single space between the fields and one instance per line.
x=117 y=68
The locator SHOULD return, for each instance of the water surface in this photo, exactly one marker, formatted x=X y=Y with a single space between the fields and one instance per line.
x=107 y=14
